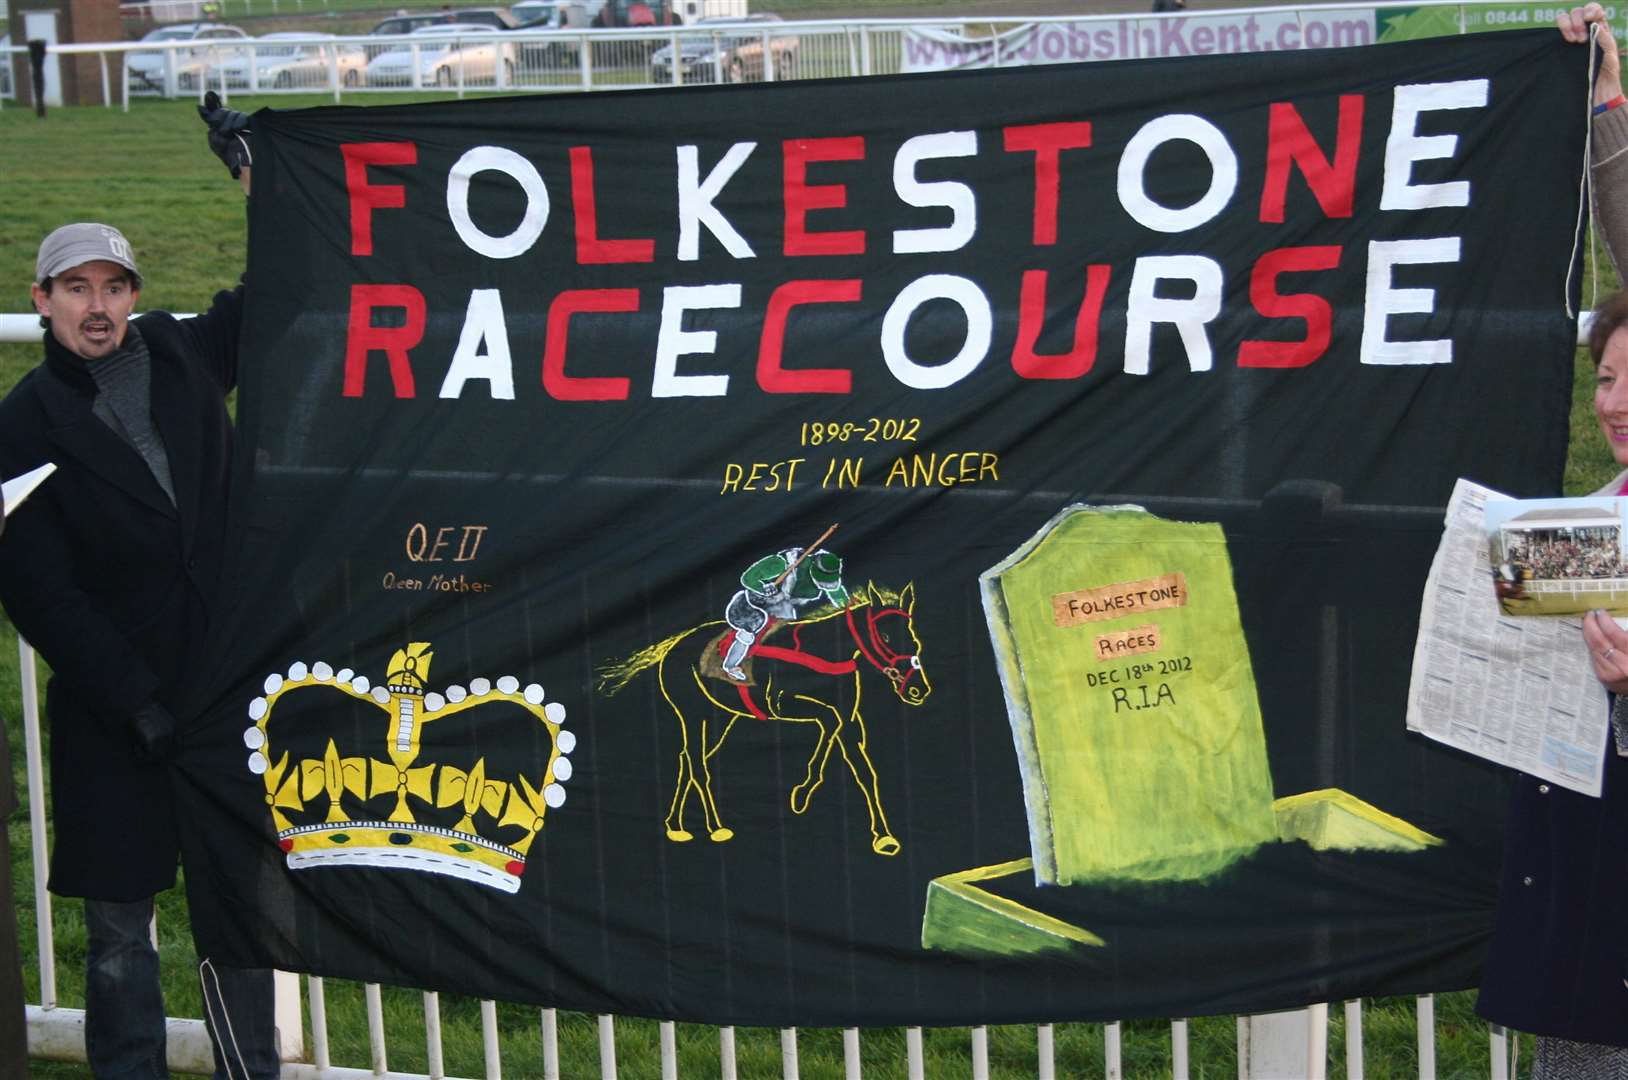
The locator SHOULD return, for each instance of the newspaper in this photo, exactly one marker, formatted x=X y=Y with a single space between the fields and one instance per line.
x=1517 y=691
x=19 y=488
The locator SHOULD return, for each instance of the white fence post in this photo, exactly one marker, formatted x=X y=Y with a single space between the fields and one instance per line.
x=1179 y=1063
x=607 y=1047
x=1353 y=1040
x=726 y=1053
x=319 y=1022
x=1317 y=1042
x=434 y=1059
x=1280 y=1045
x=1427 y=1037
x=378 y=1050
x=788 y=1054
x=1498 y=1041
x=669 y=1050
x=914 y=1065
x=286 y=1015
x=45 y=930
x=850 y=1054
x=492 y=1050
x=551 y=1044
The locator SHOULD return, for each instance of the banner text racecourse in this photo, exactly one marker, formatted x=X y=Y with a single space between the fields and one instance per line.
x=810 y=219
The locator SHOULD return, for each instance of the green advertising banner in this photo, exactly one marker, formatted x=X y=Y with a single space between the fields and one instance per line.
x=1410 y=23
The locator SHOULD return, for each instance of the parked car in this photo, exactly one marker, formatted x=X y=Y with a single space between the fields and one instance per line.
x=280 y=64
x=496 y=18
x=145 y=70
x=637 y=13
x=736 y=52
x=552 y=15
x=477 y=52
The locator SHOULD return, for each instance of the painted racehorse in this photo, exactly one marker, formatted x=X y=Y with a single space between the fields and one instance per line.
x=805 y=671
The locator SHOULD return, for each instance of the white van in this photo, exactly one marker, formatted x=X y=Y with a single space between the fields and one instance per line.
x=555 y=14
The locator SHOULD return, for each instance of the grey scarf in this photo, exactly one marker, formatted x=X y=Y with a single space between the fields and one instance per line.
x=123 y=402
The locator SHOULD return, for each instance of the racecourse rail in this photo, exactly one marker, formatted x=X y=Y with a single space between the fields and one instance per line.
x=1280 y=1045
x=462 y=58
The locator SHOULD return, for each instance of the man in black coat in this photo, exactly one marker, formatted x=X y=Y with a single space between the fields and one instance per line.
x=113 y=575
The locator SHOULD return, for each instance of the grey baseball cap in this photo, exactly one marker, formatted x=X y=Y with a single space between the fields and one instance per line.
x=80 y=243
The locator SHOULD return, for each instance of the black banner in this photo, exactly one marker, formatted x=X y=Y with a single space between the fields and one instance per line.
x=619 y=471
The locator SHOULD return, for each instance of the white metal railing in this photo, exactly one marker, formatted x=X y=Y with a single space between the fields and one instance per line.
x=1613 y=587
x=588 y=59
x=455 y=60
x=18 y=329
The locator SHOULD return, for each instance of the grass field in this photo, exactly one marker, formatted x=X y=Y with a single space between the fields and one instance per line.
x=149 y=172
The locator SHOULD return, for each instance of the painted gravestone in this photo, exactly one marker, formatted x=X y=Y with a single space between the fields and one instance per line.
x=1131 y=698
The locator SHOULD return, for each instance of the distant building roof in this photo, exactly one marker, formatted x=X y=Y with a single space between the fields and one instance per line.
x=1582 y=517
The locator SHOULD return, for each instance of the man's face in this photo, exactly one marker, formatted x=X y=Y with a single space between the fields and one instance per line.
x=89 y=307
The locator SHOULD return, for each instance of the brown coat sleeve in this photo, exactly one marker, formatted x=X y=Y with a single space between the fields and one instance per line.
x=1609 y=167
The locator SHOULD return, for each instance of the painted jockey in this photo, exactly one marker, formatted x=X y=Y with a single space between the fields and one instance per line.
x=777 y=586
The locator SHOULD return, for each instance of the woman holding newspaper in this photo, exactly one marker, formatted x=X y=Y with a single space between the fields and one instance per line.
x=1558 y=965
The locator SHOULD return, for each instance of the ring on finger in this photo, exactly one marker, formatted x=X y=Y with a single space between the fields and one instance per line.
x=1607 y=654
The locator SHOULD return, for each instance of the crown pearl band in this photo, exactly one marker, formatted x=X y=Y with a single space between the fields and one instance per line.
x=320 y=802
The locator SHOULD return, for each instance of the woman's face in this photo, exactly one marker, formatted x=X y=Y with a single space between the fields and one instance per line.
x=1611 y=394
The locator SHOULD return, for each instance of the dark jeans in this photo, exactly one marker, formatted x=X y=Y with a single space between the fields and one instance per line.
x=124 y=1004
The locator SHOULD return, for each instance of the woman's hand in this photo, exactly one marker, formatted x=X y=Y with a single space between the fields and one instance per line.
x=1574 y=27
x=1608 y=649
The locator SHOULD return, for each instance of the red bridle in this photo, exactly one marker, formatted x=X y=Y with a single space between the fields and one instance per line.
x=899 y=667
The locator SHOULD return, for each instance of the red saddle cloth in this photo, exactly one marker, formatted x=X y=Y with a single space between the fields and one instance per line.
x=795 y=653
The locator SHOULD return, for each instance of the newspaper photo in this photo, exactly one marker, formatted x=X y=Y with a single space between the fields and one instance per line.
x=1558 y=556
x=1517 y=691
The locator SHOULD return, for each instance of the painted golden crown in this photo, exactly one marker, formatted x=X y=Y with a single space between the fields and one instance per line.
x=298 y=792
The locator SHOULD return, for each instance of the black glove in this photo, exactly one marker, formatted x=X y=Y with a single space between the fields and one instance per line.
x=229 y=134
x=154 y=731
